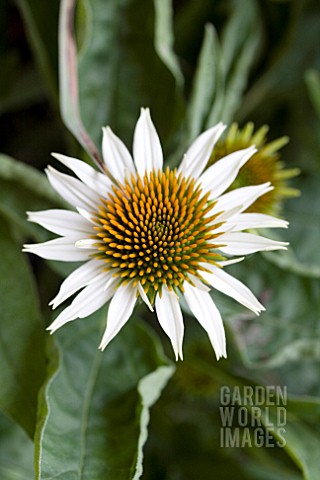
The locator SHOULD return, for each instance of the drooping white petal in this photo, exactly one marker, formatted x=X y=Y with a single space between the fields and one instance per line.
x=61 y=222
x=147 y=151
x=89 y=300
x=62 y=249
x=199 y=152
x=79 y=278
x=222 y=173
x=144 y=296
x=116 y=156
x=97 y=181
x=243 y=197
x=245 y=221
x=170 y=318
x=204 y=309
x=227 y=284
x=72 y=190
x=120 y=310
x=240 y=243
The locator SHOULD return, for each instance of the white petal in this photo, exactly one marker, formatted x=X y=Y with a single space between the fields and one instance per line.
x=72 y=190
x=170 y=318
x=224 y=215
x=61 y=222
x=204 y=309
x=79 y=278
x=246 y=243
x=85 y=214
x=232 y=261
x=120 y=310
x=245 y=221
x=116 y=156
x=144 y=296
x=221 y=174
x=199 y=152
x=147 y=151
x=62 y=249
x=227 y=284
x=93 y=297
x=86 y=243
x=97 y=181
x=243 y=197
x=197 y=282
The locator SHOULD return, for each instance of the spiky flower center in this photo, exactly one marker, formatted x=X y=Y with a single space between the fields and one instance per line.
x=156 y=230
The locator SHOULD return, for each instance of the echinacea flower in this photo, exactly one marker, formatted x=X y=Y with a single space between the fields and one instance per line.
x=265 y=165
x=152 y=233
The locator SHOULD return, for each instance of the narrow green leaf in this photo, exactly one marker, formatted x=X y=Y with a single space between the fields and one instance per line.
x=234 y=38
x=208 y=83
x=149 y=388
x=22 y=358
x=68 y=74
x=164 y=38
x=94 y=413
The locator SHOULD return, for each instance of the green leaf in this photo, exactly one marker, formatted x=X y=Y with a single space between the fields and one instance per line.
x=22 y=357
x=187 y=424
x=303 y=215
x=303 y=257
x=164 y=38
x=16 y=452
x=94 y=412
x=120 y=70
x=288 y=330
x=208 y=83
x=68 y=75
x=302 y=437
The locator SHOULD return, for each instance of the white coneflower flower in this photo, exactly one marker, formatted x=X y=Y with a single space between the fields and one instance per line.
x=153 y=233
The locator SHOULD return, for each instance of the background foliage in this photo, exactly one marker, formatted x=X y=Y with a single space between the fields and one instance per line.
x=68 y=411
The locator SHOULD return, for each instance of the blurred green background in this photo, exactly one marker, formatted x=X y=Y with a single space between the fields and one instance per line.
x=259 y=62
